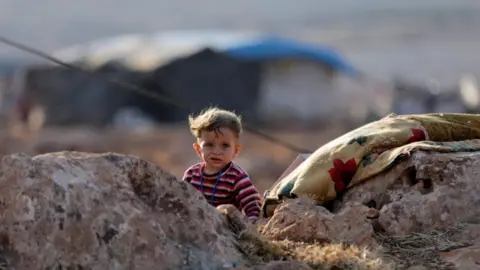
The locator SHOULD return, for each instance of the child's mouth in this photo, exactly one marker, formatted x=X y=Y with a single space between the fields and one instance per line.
x=216 y=159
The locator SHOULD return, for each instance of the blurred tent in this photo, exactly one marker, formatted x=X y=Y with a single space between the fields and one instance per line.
x=267 y=78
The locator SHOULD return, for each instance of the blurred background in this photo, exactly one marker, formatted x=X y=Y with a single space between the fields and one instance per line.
x=302 y=71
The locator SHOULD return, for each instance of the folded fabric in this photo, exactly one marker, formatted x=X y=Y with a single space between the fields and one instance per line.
x=371 y=149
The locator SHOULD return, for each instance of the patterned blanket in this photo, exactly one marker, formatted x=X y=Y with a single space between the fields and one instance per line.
x=371 y=149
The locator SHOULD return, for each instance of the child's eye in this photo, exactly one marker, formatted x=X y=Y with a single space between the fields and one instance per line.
x=226 y=145
x=208 y=145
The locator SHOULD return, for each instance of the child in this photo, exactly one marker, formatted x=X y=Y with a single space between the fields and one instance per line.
x=220 y=179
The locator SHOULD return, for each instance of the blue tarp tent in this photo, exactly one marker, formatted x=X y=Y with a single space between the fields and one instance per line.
x=271 y=48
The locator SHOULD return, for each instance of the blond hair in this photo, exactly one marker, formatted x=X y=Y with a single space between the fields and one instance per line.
x=213 y=119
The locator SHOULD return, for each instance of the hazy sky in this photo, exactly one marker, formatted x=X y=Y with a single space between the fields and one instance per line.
x=383 y=36
x=54 y=23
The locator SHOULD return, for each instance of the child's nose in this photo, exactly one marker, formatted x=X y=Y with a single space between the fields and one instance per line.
x=217 y=150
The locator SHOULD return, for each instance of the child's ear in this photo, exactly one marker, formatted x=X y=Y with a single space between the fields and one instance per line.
x=197 y=149
x=238 y=149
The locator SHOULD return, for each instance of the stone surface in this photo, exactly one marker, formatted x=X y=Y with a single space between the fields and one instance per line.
x=468 y=233
x=83 y=211
x=467 y=258
x=302 y=220
x=427 y=191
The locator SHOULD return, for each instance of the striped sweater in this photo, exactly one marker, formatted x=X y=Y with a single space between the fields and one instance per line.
x=234 y=187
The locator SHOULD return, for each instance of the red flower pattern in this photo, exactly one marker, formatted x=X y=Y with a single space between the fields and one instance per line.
x=342 y=173
x=418 y=135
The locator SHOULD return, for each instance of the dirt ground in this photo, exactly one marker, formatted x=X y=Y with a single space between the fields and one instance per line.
x=169 y=146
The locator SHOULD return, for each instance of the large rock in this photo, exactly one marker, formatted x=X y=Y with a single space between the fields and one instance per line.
x=84 y=211
x=302 y=220
x=429 y=190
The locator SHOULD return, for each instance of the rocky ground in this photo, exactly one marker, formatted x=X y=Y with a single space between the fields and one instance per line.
x=109 y=211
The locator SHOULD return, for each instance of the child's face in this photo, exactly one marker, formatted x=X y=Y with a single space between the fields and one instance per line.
x=217 y=149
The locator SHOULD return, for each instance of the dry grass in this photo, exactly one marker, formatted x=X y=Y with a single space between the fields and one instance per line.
x=395 y=252
x=335 y=256
x=260 y=250
x=421 y=248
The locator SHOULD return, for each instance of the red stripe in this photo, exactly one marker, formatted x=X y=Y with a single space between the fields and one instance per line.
x=226 y=176
x=214 y=179
x=218 y=192
x=207 y=184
